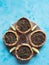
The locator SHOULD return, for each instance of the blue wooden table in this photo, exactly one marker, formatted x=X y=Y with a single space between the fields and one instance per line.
x=36 y=11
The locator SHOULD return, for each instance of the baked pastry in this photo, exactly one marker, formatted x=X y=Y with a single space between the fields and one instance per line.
x=24 y=39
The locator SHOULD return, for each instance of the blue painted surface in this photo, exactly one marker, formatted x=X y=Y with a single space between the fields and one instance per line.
x=34 y=10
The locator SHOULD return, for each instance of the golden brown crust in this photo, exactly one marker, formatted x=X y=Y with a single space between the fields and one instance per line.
x=14 y=42
x=32 y=42
x=22 y=31
x=19 y=47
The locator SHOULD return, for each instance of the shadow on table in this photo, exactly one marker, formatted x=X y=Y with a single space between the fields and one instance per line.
x=22 y=62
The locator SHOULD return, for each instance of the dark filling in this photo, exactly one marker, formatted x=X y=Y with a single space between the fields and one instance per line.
x=23 y=24
x=38 y=38
x=22 y=38
x=24 y=52
x=10 y=37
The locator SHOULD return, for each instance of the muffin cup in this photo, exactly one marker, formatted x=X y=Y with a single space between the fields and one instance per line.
x=6 y=38
x=32 y=42
x=23 y=45
x=26 y=31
